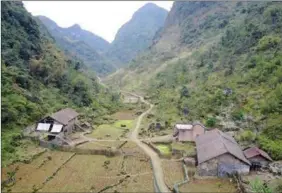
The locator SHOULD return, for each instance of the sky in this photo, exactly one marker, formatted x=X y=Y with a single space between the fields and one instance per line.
x=103 y=18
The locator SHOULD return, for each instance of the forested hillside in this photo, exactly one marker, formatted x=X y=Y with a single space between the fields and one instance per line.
x=82 y=44
x=137 y=34
x=37 y=78
x=219 y=63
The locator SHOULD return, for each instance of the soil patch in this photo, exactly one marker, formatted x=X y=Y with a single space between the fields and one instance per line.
x=124 y=115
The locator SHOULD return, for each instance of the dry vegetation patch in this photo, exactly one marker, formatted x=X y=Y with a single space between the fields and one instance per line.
x=173 y=172
x=208 y=185
x=125 y=115
x=85 y=173
x=32 y=175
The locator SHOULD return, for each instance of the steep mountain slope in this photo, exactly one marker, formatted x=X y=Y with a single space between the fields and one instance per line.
x=37 y=78
x=82 y=44
x=137 y=34
x=76 y=33
x=222 y=63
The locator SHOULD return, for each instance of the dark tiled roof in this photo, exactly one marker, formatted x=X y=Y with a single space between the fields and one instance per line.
x=254 y=151
x=215 y=143
x=64 y=116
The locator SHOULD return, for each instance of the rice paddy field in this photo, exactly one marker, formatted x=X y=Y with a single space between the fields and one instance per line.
x=55 y=171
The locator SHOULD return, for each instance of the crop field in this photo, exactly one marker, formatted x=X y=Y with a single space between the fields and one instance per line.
x=32 y=176
x=100 y=145
x=95 y=173
x=55 y=171
x=112 y=131
x=85 y=173
x=130 y=148
x=138 y=183
x=124 y=115
x=165 y=149
x=188 y=148
x=173 y=172
x=208 y=185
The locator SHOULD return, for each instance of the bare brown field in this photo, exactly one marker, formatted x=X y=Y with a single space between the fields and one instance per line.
x=33 y=175
x=100 y=145
x=131 y=148
x=173 y=172
x=56 y=171
x=125 y=115
x=135 y=165
x=85 y=173
x=139 y=183
x=208 y=185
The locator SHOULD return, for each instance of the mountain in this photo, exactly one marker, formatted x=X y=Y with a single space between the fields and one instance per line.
x=37 y=78
x=75 y=32
x=137 y=34
x=220 y=60
x=82 y=44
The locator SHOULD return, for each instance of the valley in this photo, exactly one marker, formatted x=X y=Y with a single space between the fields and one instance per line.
x=185 y=100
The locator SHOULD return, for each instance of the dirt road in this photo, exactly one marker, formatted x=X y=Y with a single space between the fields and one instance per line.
x=156 y=162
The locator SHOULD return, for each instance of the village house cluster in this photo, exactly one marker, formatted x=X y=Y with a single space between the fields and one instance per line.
x=218 y=154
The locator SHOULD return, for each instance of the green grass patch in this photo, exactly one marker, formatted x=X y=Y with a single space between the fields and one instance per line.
x=164 y=148
x=112 y=131
x=128 y=123
x=187 y=147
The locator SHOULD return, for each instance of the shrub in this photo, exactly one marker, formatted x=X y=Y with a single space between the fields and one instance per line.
x=259 y=187
x=268 y=42
x=273 y=147
x=237 y=115
x=247 y=135
x=211 y=121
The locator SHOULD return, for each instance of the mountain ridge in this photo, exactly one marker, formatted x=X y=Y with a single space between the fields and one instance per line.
x=71 y=41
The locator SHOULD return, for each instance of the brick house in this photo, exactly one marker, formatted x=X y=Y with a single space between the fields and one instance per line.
x=188 y=132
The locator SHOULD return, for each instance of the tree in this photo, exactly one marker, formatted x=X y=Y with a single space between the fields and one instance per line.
x=184 y=92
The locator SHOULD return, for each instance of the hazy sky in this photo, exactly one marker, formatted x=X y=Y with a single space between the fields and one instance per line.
x=103 y=18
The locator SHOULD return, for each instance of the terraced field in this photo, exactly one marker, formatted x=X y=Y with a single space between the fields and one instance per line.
x=56 y=171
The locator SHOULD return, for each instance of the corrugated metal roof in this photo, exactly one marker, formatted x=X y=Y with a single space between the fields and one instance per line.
x=214 y=143
x=64 y=116
x=56 y=128
x=43 y=127
x=183 y=126
x=254 y=151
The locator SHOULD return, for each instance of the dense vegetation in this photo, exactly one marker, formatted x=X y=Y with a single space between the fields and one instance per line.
x=82 y=44
x=136 y=35
x=223 y=68
x=37 y=78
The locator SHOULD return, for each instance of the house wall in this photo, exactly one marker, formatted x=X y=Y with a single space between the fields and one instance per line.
x=197 y=130
x=220 y=165
x=185 y=135
x=260 y=159
x=69 y=127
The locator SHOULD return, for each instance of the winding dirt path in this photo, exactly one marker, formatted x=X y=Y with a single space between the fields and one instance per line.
x=156 y=162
